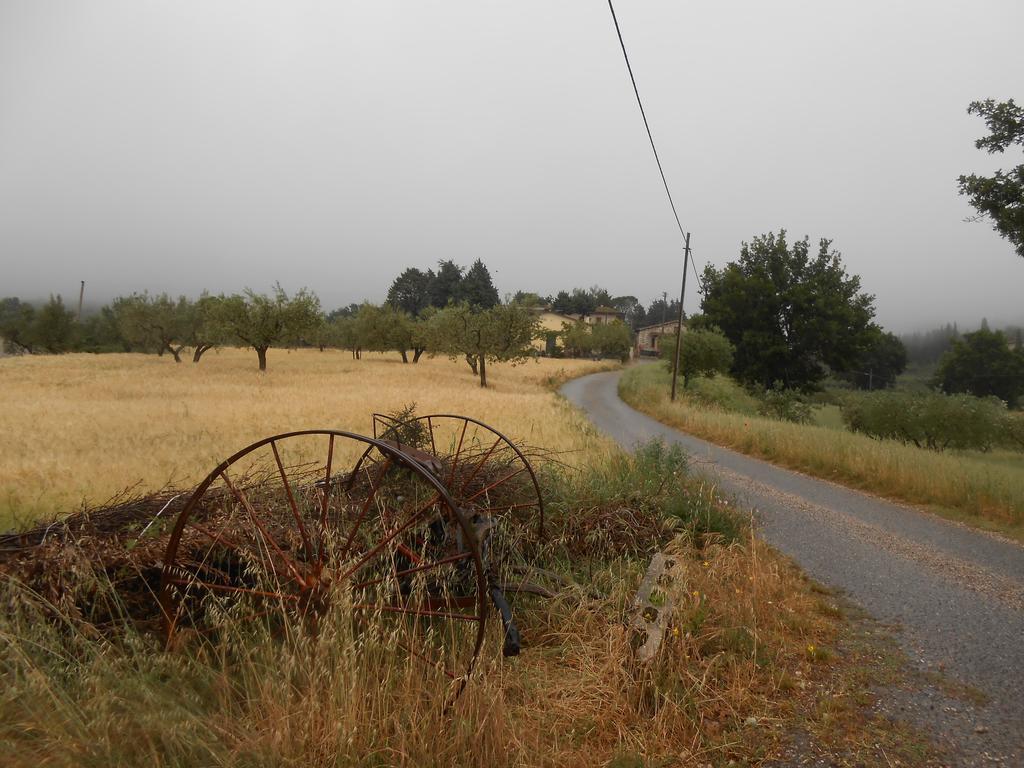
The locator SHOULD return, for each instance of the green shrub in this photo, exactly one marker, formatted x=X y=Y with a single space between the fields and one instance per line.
x=1013 y=431
x=928 y=420
x=631 y=504
x=704 y=352
x=785 y=404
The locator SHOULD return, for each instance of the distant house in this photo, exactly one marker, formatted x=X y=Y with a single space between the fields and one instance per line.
x=551 y=325
x=604 y=315
x=647 y=337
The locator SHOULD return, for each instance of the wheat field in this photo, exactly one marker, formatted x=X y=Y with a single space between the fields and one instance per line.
x=78 y=429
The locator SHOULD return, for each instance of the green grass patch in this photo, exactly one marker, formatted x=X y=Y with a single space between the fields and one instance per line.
x=830 y=416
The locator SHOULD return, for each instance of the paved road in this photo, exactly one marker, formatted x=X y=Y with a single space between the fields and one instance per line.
x=957 y=594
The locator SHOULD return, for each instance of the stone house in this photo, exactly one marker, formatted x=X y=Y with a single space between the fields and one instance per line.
x=647 y=337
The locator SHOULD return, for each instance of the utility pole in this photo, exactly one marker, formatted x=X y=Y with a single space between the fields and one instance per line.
x=679 y=329
x=81 y=295
x=664 y=307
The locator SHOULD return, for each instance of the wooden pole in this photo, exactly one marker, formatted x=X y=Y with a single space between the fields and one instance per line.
x=679 y=328
x=81 y=295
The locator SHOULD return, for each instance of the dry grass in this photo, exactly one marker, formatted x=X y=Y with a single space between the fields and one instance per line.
x=739 y=650
x=985 y=493
x=80 y=428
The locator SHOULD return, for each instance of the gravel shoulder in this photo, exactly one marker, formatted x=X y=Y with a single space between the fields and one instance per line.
x=956 y=594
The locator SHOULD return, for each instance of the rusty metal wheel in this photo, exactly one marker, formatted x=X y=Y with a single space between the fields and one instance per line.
x=278 y=531
x=484 y=471
x=495 y=487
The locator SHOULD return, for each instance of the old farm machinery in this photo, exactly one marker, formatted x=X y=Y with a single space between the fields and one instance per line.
x=420 y=528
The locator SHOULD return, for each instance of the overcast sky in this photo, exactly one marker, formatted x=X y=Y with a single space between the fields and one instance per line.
x=190 y=144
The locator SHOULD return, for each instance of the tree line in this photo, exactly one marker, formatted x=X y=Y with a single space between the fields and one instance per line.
x=781 y=316
x=453 y=311
x=161 y=324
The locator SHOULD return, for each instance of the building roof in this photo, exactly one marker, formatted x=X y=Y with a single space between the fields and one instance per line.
x=660 y=325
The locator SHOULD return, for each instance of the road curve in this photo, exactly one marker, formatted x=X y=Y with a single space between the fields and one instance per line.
x=957 y=594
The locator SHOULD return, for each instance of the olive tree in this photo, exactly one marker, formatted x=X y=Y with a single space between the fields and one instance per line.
x=17 y=326
x=260 y=321
x=704 y=352
x=201 y=321
x=386 y=328
x=157 y=323
x=500 y=334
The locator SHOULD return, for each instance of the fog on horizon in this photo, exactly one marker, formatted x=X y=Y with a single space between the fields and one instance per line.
x=187 y=146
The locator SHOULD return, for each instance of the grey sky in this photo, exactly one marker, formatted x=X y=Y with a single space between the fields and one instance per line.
x=196 y=144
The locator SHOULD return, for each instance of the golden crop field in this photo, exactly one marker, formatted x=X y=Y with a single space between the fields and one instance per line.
x=81 y=428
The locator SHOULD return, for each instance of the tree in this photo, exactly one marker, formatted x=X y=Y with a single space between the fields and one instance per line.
x=999 y=197
x=445 y=286
x=261 y=321
x=17 y=325
x=983 y=364
x=660 y=311
x=203 y=331
x=157 y=323
x=529 y=299
x=54 y=326
x=928 y=347
x=343 y=334
x=577 y=339
x=883 y=359
x=704 y=352
x=579 y=302
x=382 y=329
x=342 y=312
x=581 y=339
x=99 y=332
x=500 y=334
x=476 y=288
x=788 y=314
x=631 y=309
x=410 y=292
x=612 y=339
x=600 y=296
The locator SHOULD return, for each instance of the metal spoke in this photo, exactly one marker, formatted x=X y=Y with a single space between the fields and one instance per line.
x=374 y=486
x=327 y=485
x=479 y=466
x=458 y=450
x=430 y=429
x=291 y=502
x=390 y=537
x=417 y=569
x=409 y=553
x=244 y=501
x=494 y=485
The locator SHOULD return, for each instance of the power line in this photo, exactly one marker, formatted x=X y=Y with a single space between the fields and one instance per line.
x=696 y=274
x=647 y=125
